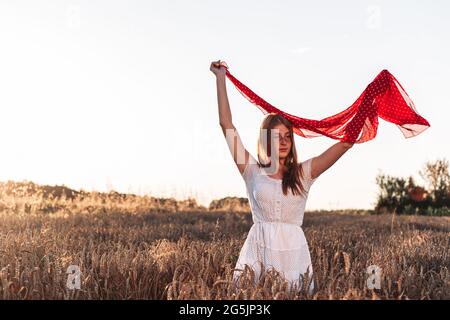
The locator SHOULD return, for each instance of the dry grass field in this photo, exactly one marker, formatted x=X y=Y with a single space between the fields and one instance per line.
x=124 y=250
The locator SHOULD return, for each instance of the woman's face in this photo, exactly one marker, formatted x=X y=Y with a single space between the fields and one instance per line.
x=284 y=140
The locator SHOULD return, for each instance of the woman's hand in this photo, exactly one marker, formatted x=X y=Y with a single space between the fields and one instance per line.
x=217 y=68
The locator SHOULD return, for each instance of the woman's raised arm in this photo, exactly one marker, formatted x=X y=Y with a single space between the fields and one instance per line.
x=324 y=161
x=239 y=153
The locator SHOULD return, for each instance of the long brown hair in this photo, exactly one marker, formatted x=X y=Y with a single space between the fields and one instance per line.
x=292 y=171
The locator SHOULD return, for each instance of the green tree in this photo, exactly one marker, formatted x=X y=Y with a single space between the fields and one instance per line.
x=393 y=193
x=437 y=177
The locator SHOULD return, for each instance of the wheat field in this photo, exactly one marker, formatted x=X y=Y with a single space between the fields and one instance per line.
x=126 y=250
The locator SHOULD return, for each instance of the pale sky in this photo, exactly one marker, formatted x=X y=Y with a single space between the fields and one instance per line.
x=118 y=94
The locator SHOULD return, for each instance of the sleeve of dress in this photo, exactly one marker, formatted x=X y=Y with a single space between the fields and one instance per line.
x=307 y=172
x=250 y=170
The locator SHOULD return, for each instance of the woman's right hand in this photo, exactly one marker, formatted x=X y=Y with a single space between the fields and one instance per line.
x=217 y=68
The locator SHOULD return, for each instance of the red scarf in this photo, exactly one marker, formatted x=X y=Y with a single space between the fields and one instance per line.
x=384 y=97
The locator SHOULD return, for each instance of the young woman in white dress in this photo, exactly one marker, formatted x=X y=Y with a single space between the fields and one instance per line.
x=277 y=189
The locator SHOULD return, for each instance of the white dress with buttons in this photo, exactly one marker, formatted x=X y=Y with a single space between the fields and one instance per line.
x=276 y=238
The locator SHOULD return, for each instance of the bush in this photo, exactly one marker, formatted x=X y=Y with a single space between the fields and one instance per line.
x=232 y=204
x=403 y=196
x=393 y=194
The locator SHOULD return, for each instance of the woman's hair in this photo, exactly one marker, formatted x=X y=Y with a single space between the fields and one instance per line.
x=292 y=170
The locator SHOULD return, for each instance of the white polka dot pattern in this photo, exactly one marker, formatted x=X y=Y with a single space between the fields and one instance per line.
x=384 y=97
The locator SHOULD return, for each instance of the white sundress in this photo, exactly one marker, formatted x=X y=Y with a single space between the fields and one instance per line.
x=276 y=237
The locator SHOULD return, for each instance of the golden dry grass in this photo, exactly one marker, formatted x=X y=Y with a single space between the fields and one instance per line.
x=126 y=251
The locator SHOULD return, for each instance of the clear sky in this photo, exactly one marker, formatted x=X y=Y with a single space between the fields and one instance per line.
x=118 y=94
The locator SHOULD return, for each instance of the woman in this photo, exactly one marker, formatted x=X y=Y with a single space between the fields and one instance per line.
x=277 y=188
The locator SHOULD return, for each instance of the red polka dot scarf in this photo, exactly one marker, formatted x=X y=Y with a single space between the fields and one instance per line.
x=384 y=97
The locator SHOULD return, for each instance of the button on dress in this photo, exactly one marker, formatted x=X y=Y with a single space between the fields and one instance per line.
x=276 y=238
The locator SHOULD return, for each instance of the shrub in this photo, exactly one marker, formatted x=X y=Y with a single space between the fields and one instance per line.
x=403 y=196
